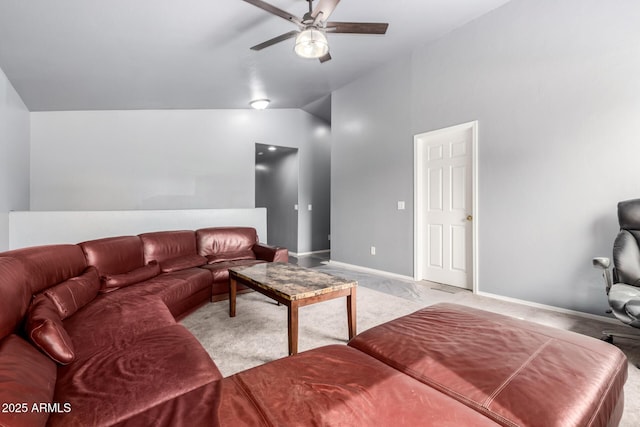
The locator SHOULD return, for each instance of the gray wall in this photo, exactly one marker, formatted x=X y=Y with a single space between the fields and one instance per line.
x=555 y=88
x=169 y=159
x=315 y=225
x=277 y=190
x=14 y=156
x=372 y=169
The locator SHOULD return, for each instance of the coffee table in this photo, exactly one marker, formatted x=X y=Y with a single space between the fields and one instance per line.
x=294 y=287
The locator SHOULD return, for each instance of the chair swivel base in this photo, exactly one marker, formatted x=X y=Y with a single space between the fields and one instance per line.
x=608 y=336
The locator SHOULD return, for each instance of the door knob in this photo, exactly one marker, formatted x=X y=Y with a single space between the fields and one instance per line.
x=469 y=218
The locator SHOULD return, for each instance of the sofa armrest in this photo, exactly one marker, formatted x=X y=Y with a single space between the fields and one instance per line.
x=270 y=253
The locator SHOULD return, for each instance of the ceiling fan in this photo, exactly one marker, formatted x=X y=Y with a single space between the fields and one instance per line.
x=311 y=41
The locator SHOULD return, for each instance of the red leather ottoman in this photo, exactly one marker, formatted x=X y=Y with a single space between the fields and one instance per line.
x=512 y=371
x=336 y=386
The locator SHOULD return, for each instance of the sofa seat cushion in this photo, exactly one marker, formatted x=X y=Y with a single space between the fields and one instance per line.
x=195 y=280
x=174 y=289
x=149 y=288
x=171 y=287
x=115 y=320
x=26 y=377
x=271 y=253
x=73 y=294
x=336 y=385
x=182 y=263
x=160 y=365
x=197 y=275
x=514 y=371
x=220 y=270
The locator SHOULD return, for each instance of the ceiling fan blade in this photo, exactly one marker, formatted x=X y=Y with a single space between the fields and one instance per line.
x=324 y=9
x=325 y=58
x=357 y=27
x=275 y=40
x=275 y=10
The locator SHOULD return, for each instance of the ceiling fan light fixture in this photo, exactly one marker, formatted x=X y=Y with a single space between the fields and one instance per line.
x=311 y=43
x=259 y=104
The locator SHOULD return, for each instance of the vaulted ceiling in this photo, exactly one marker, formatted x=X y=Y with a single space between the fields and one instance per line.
x=190 y=54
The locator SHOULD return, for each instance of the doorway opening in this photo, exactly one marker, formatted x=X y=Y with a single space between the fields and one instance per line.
x=445 y=217
x=276 y=189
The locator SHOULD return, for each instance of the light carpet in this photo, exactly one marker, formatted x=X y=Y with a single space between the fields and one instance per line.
x=258 y=333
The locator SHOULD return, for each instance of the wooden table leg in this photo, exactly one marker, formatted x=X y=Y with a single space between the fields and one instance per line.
x=351 y=313
x=293 y=328
x=232 y=297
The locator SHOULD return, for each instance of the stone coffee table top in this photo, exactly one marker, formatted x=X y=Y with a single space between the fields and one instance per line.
x=292 y=282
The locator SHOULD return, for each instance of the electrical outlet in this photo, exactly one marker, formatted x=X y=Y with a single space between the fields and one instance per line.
x=373 y=250
x=310 y=207
x=295 y=207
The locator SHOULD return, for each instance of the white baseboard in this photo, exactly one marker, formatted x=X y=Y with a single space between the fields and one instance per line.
x=371 y=270
x=551 y=308
x=486 y=294
x=297 y=254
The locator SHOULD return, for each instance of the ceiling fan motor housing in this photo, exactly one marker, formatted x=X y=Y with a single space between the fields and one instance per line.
x=311 y=43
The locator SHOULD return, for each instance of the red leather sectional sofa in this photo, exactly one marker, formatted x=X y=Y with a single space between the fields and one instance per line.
x=93 y=327
x=88 y=337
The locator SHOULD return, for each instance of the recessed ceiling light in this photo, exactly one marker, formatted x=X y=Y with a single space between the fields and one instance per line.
x=259 y=104
x=272 y=148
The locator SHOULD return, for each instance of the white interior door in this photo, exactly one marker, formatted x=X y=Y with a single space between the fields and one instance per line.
x=445 y=205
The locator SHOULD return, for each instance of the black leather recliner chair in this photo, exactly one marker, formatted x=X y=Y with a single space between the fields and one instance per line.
x=624 y=290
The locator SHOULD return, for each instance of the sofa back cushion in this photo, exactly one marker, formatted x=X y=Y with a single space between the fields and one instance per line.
x=114 y=255
x=173 y=250
x=165 y=245
x=49 y=265
x=73 y=294
x=220 y=244
x=44 y=328
x=15 y=295
x=27 y=377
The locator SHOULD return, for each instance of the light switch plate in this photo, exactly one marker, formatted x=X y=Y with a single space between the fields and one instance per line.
x=401 y=205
